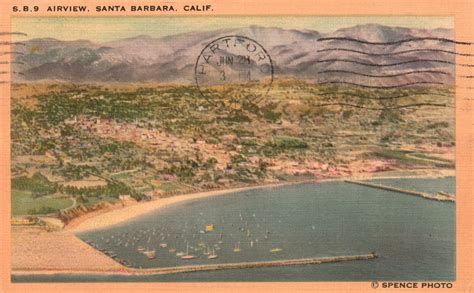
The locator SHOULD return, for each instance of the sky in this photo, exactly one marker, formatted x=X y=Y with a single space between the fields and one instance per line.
x=104 y=29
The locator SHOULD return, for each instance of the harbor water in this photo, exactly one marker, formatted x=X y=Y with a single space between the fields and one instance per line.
x=414 y=237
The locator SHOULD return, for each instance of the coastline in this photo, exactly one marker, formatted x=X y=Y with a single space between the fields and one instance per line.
x=118 y=215
x=110 y=217
x=209 y=267
x=30 y=259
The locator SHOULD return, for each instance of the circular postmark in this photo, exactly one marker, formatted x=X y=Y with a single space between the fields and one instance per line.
x=234 y=62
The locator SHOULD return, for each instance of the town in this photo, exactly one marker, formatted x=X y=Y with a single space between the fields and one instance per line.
x=85 y=145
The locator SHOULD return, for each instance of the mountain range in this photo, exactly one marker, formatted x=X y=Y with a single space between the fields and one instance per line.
x=367 y=54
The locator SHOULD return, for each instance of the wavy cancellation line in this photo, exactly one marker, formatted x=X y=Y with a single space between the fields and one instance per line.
x=12 y=72
x=13 y=33
x=445 y=40
x=395 y=53
x=11 y=53
x=13 y=62
x=12 y=43
x=385 y=75
x=393 y=75
x=382 y=87
x=384 y=108
x=394 y=64
x=383 y=97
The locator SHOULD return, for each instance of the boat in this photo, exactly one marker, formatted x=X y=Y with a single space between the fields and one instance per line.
x=163 y=245
x=151 y=254
x=251 y=243
x=172 y=250
x=237 y=248
x=140 y=249
x=207 y=251
x=209 y=227
x=180 y=253
x=445 y=193
x=188 y=256
x=213 y=255
x=275 y=250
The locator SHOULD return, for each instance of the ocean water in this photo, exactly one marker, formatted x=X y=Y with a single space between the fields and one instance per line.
x=414 y=237
x=430 y=185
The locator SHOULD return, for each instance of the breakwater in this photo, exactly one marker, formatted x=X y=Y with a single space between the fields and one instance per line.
x=208 y=267
x=438 y=197
x=259 y=264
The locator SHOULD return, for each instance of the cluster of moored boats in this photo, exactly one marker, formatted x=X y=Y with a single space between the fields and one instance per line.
x=107 y=252
x=151 y=254
x=148 y=241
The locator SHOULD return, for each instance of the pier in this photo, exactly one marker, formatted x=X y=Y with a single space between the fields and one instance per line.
x=206 y=267
x=250 y=265
x=438 y=197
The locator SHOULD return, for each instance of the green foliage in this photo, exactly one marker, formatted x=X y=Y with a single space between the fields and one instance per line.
x=286 y=142
x=75 y=172
x=235 y=159
x=392 y=116
x=442 y=124
x=44 y=210
x=346 y=114
x=23 y=203
x=38 y=184
x=112 y=189
x=182 y=170
x=314 y=126
x=271 y=115
x=238 y=117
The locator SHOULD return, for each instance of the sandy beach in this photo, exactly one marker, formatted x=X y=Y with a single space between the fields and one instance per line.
x=107 y=218
x=119 y=215
x=36 y=249
x=32 y=253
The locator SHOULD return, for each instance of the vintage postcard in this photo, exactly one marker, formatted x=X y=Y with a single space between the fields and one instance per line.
x=244 y=146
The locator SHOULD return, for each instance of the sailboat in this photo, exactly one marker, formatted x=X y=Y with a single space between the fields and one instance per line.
x=150 y=254
x=237 y=248
x=213 y=255
x=207 y=251
x=187 y=256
